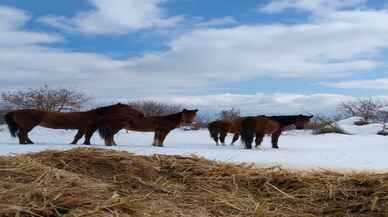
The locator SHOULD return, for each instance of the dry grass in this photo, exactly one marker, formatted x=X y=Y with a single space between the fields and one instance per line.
x=93 y=182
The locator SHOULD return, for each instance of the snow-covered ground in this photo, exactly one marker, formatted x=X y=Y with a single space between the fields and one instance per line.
x=362 y=151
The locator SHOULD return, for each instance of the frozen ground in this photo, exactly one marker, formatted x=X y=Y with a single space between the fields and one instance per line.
x=363 y=151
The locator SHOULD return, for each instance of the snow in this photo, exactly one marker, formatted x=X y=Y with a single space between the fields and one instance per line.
x=299 y=149
x=369 y=129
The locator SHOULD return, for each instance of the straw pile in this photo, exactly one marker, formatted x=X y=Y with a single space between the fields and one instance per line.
x=92 y=182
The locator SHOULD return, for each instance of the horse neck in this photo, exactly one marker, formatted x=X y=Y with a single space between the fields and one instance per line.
x=285 y=120
x=104 y=110
x=174 y=118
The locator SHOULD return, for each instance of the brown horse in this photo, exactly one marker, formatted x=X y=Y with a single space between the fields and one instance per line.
x=257 y=126
x=161 y=125
x=21 y=122
x=283 y=121
x=219 y=129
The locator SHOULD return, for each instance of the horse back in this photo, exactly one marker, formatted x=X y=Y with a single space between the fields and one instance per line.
x=219 y=125
x=67 y=120
x=264 y=125
x=146 y=124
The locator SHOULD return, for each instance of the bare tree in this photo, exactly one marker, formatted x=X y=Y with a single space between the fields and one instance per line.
x=367 y=109
x=230 y=114
x=46 y=98
x=154 y=108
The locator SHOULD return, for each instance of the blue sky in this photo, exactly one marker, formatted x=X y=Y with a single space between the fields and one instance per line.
x=186 y=51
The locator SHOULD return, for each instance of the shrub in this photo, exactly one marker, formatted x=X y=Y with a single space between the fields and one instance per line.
x=154 y=108
x=324 y=125
x=361 y=123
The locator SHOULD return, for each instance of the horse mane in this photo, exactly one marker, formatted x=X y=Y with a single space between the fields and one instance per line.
x=285 y=120
x=172 y=117
x=108 y=109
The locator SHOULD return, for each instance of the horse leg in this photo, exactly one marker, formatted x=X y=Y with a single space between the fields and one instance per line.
x=215 y=138
x=109 y=141
x=236 y=136
x=88 y=135
x=259 y=139
x=22 y=140
x=156 y=139
x=275 y=138
x=223 y=136
x=106 y=141
x=112 y=140
x=163 y=136
x=29 y=141
x=23 y=137
x=77 y=137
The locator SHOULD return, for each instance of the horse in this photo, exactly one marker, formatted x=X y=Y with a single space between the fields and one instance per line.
x=21 y=122
x=256 y=126
x=218 y=130
x=285 y=120
x=161 y=125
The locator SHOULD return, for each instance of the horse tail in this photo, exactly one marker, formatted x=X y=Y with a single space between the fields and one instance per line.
x=248 y=126
x=103 y=131
x=212 y=130
x=12 y=125
x=102 y=127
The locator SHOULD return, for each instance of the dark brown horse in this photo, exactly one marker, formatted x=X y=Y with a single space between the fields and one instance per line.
x=21 y=122
x=219 y=130
x=284 y=120
x=161 y=125
x=256 y=126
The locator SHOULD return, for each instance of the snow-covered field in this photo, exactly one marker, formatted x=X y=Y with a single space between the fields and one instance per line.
x=363 y=151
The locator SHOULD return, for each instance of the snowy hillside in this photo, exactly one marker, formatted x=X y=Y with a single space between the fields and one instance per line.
x=369 y=129
x=298 y=149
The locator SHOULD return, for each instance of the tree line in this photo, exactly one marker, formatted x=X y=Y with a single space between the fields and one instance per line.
x=65 y=99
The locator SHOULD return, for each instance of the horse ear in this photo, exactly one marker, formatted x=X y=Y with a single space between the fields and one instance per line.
x=196 y=110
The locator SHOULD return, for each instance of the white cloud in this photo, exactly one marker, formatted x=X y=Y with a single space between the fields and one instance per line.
x=116 y=16
x=323 y=49
x=375 y=84
x=250 y=104
x=338 y=44
x=277 y=6
x=11 y=20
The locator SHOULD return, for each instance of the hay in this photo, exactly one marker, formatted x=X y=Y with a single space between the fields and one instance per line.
x=93 y=182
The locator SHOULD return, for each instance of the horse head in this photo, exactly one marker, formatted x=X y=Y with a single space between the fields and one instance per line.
x=188 y=116
x=302 y=120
